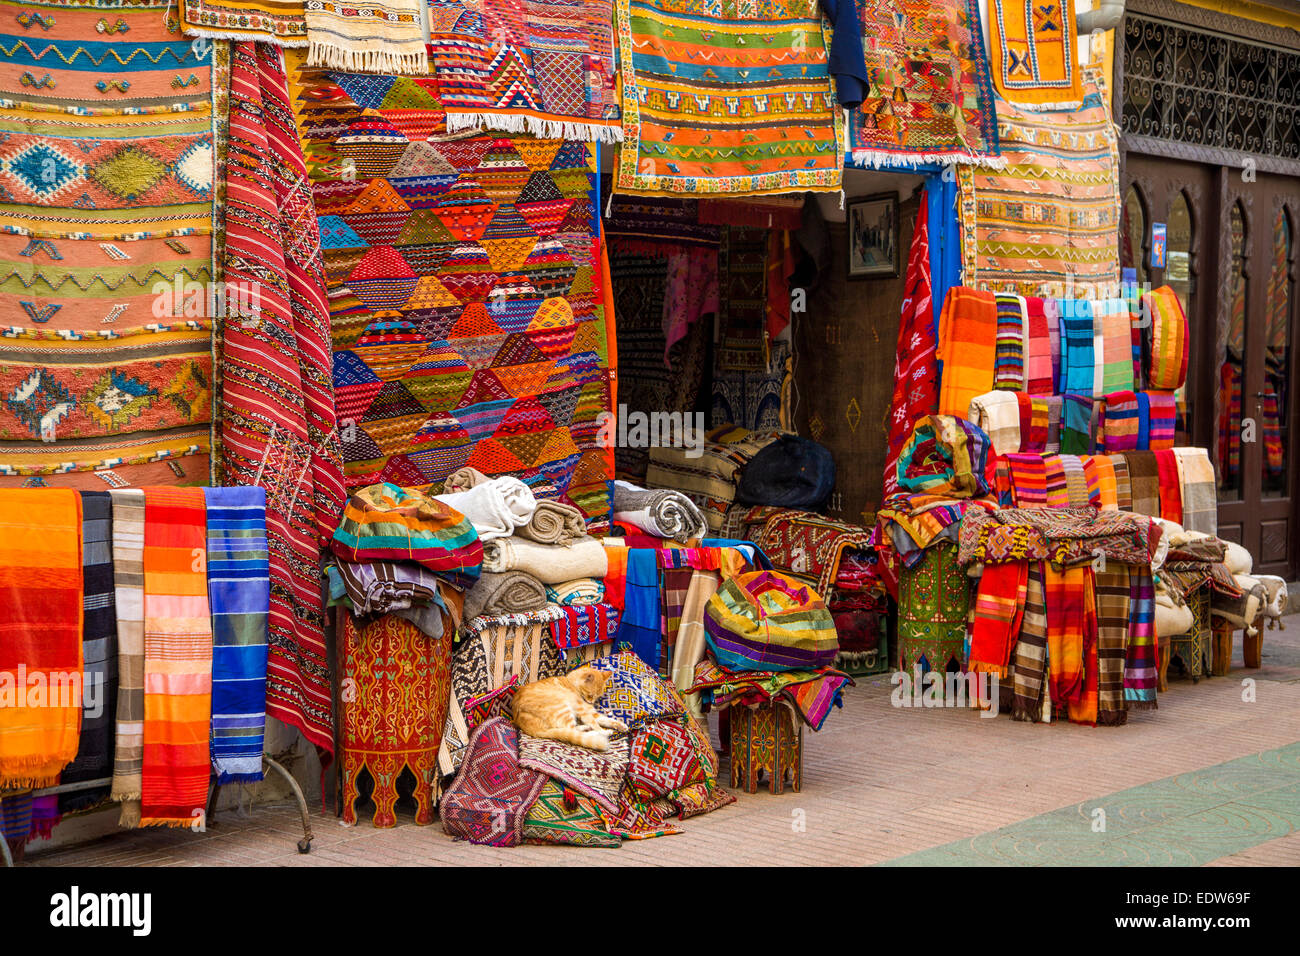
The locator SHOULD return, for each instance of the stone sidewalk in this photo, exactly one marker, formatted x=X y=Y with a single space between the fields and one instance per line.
x=1207 y=778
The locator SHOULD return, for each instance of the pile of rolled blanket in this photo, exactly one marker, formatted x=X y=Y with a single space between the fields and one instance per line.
x=658 y=512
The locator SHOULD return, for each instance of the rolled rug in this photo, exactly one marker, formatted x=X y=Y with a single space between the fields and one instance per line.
x=660 y=511
x=549 y=563
x=554 y=523
x=462 y=480
x=495 y=507
x=504 y=592
x=577 y=592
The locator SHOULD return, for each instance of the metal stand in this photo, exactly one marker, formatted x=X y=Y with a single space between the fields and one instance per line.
x=304 y=845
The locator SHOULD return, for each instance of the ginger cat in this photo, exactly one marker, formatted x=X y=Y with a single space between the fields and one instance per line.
x=560 y=708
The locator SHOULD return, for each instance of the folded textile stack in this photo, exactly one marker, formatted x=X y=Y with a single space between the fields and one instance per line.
x=504 y=592
x=548 y=522
x=548 y=563
x=496 y=507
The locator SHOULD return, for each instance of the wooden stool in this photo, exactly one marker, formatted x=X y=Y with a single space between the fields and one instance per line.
x=765 y=738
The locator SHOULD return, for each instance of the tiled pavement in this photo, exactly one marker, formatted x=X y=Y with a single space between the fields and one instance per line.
x=908 y=786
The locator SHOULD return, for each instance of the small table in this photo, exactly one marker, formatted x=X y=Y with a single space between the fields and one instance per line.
x=767 y=738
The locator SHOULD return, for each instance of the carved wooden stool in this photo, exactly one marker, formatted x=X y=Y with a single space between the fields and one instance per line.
x=1194 y=647
x=765 y=738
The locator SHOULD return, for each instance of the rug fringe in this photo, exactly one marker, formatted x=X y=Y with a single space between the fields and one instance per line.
x=1062 y=106
x=289 y=43
x=30 y=774
x=173 y=822
x=386 y=59
x=879 y=159
x=537 y=126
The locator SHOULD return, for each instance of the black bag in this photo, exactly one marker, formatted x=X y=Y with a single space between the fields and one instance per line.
x=792 y=472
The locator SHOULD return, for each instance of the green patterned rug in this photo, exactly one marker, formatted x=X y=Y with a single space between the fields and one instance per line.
x=1187 y=820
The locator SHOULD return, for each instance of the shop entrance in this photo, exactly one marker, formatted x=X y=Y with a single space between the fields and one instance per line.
x=1230 y=255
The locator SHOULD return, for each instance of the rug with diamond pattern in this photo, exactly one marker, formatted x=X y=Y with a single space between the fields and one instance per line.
x=464 y=280
x=106 y=210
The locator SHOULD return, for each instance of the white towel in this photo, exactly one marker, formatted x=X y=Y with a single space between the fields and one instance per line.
x=495 y=507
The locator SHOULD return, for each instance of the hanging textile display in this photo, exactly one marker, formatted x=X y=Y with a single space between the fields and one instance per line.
x=371 y=37
x=99 y=655
x=1049 y=221
x=466 y=305
x=41 y=619
x=933 y=602
x=544 y=67
x=239 y=593
x=1034 y=54
x=177 y=659
x=726 y=99
x=278 y=427
x=282 y=22
x=128 y=594
x=926 y=101
x=967 y=347
x=1168 y=343
x=106 y=211
x=916 y=373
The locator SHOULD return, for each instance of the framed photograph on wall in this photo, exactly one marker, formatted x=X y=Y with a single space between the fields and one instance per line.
x=873 y=237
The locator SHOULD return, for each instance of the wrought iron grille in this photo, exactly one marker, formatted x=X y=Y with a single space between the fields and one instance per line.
x=1194 y=86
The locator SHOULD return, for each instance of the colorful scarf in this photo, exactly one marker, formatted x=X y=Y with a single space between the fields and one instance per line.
x=926 y=102
x=1034 y=54
x=1076 y=424
x=128 y=594
x=278 y=423
x=1078 y=355
x=812 y=694
x=639 y=624
x=177 y=659
x=999 y=606
x=692 y=102
x=1071 y=624
x=1120 y=423
x=1076 y=481
x=99 y=642
x=1028 y=480
x=997 y=413
x=968 y=329
x=1123 y=483
x=41 y=615
x=1116 y=358
x=1083 y=709
x=1141 y=655
x=1040 y=374
x=1197 y=490
x=1167 y=360
x=1171 y=499
x=1113 y=599
x=1009 y=358
x=239 y=592
x=1144 y=482
x=916 y=374
x=370 y=37
x=1163 y=418
x=1107 y=487
x=1029 y=667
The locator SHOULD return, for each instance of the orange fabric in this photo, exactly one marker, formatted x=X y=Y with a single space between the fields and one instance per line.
x=999 y=608
x=1068 y=615
x=41 y=595
x=968 y=331
x=1084 y=710
x=1033 y=54
x=177 y=658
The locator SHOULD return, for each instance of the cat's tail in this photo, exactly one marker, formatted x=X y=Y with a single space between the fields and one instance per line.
x=591 y=739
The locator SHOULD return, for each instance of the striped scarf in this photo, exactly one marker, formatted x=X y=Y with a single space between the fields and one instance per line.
x=968 y=331
x=1123 y=485
x=1163 y=420
x=1171 y=497
x=128 y=594
x=1028 y=480
x=1103 y=467
x=1120 y=423
x=1039 y=375
x=1054 y=408
x=1031 y=649
x=1197 y=491
x=177 y=659
x=41 y=595
x=1116 y=362
x=1084 y=709
x=1068 y=631
x=99 y=642
x=389 y=522
x=1141 y=655
x=999 y=605
x=1009 y=356
x=239 y=590
x=1144 y=482
x=1078 y=357
x=1113 y=599
x=1167 y=362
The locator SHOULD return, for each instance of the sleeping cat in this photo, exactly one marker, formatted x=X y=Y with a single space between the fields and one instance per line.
x=559 y=708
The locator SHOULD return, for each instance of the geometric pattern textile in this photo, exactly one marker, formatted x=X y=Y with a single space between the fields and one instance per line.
x=465 y=290
x=106 y=207
x=1035 y=55
x=726 y=98
x=282 y=22
x=927 y=102
x=491 y=796
x=566 y=817
x=635 y=694
x=278 y=427
x=1047 y=224
x=598 y=774
x=544 y=67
